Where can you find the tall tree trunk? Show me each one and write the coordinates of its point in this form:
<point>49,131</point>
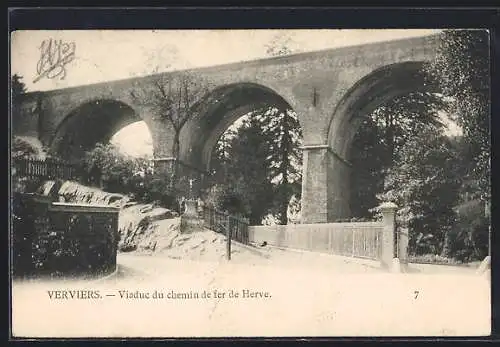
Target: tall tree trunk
<point>176,144</point>
<point>175,155</point>
<point>446,243</point>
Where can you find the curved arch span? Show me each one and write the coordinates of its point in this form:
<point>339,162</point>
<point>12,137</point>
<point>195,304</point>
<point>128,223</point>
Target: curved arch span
<point>91,123</point>
<point>370,92</point>
<point>221,108</point>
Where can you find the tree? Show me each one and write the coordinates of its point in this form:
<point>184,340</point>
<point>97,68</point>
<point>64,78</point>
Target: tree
<point>221,156</point>
<point>249,168</point>
<point>284,133</point>
<point>380,137</point>
<point>17,86</point>
<point>171,98</point>
<point>399,118</point>
<point>462,70</point>
<point>281,44</point>
<point>270,140</point>
<point>263,156</point>
<point>368,158</point>
<point>424,181</point>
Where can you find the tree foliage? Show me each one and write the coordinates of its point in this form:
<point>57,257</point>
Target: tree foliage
<point>379,139</point>
<point>462,70</point>
<point>424,181</point>
<point>281,44</point>
<point>119,173</point>
<point>244,162</point>
<point>262,157</point>
<point>284,136</point>
<point>17,87</point>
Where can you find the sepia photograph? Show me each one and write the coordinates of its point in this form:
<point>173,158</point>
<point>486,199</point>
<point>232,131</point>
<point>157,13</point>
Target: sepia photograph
<point>250,183</point>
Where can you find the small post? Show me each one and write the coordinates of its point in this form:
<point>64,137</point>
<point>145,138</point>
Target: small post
<point>388,210</point>
<point>353,242</point>
<point>228,237</point>
<point>403,246</point>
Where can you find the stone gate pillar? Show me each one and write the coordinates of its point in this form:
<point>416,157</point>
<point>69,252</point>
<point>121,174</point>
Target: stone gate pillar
<point>388,210</point>
<point>325,185</point>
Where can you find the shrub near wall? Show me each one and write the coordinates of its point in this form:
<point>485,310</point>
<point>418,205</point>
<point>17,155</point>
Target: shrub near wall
<point>22,231</point>
<point>63,240</point>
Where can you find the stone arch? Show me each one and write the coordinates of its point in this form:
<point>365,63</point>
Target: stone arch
<point>91,122</point>
<point>370,92</point>
<point>227,104</point>
<point>327,170</point>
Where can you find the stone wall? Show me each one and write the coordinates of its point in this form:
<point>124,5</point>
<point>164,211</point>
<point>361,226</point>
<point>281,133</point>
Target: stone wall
<point>61,239</point>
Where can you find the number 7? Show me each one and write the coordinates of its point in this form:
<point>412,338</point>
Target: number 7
<point>416,293</point>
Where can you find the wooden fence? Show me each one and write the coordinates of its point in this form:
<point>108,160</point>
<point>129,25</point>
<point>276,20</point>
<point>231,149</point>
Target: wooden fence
<point>234,227</point>
<point>222,222</point>
<point>358,239</point>
<point>46,169</point>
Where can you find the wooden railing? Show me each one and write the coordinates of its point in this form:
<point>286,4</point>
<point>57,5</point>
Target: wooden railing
<point>236,227</point>
<point>47,169</point>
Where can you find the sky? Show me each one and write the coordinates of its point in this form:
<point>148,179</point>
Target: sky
<point>106,55</point>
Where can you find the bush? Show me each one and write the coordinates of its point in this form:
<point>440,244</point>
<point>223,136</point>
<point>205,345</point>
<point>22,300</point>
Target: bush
<point>433,259</point>
<point>105,165</point>
<point>469,238</point>
<point>228,198</point>
<point>27,147</point>
<point>119,173</point>
<point>158,189</point>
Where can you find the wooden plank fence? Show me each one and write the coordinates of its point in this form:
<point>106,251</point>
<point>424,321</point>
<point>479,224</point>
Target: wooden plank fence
<point>47,169</point>
<point>357,239</point>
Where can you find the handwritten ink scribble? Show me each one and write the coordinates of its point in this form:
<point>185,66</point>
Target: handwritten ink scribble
<point>54,55</point>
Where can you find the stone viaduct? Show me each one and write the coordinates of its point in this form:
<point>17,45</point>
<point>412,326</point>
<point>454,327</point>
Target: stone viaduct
<point>329,90</point>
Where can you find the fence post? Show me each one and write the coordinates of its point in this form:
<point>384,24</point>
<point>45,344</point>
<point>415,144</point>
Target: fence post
<point>353,242</point>
<point>228,236</point>
<point>388,210</point>
<point>330,250</point>
<point>403,240</point>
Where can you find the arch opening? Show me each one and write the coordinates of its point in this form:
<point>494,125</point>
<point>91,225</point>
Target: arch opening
<point>375,89</point>
<point>91,123</point>
<point>222,108</point>
<point>367,95</point>
<point>134,140</point>
<point>379,115</point>
<point>242,118</point>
